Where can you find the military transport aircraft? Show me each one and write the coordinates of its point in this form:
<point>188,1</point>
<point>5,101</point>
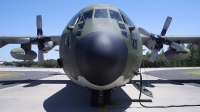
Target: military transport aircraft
<point>100,48</point>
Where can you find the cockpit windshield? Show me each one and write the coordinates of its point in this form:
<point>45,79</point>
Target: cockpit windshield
<point>87,15</point>
<point>74,19</point>
<point>115,15</point>
<point>127,19</point>
<point>101,13</point>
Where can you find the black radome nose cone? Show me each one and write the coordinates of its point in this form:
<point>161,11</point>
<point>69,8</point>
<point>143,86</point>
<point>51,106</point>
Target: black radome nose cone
<point>101,57</point>
<point>100,54</point>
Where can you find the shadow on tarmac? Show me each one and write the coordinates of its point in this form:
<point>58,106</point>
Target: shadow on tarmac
<point>28,78</point>
<point>77,98</point>
<point>176,77</point>
<point>160,81</point>
<point>74,98</point>
<point>31,83</point>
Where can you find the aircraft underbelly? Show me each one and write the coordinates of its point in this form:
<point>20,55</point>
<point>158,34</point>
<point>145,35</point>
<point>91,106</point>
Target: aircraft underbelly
<point>117,83</point>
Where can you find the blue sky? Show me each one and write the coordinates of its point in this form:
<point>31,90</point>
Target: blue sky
<point>17,17</point>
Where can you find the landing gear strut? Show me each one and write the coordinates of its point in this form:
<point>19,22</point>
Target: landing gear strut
<point>95,97</point>
<point>107,97</point>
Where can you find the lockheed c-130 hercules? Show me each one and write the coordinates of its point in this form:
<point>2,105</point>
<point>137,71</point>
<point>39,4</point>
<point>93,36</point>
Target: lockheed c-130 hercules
<point>100,48</point>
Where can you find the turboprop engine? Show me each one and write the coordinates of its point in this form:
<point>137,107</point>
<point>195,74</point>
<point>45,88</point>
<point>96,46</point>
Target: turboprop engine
<point>21,54</point>
<point>45,44</point>
<point>177,55</point>
<point>155,44</point>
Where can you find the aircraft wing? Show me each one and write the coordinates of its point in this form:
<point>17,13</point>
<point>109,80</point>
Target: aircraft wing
<point>183,39</point>
<point>155,43</point>
<point>4,40</point>
<point>45,43</point>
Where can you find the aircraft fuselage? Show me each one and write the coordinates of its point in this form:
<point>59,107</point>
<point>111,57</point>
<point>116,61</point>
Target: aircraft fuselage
<point>100,49</point>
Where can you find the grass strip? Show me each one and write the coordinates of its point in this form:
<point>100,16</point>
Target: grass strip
<point>191,72</point>
<point>10,74</point>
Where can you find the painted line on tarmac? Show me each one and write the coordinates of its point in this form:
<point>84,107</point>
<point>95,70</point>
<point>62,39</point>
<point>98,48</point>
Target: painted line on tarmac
<point>104,108</point>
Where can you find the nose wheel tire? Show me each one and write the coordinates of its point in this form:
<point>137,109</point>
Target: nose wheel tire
<point>94,98</point>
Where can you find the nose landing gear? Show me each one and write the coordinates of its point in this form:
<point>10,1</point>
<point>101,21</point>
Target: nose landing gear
<point>95,98</point>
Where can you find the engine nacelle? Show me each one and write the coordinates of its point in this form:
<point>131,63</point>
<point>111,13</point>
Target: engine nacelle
<point>21,54</point>
<point>177,55</point>
<point>48,46</point>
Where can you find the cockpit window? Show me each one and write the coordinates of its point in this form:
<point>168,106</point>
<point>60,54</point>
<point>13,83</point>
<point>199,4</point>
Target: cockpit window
<point>87,15</point>
<point>127,19</point>
<point>101,13</point>
<point>115,15</point>
<point>134,41</point>
<point>68,41</point>
<point>75,18</point>
<point>124,34</point>
<point>121,26</point>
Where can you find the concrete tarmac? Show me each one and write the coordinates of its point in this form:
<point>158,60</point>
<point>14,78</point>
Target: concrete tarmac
<point>50,90</point>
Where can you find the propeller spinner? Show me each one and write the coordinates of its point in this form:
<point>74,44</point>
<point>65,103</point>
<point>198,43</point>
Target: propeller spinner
<point>160,40</point>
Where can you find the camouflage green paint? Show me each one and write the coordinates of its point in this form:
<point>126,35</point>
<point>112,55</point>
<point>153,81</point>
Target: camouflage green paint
<point>68,55</point>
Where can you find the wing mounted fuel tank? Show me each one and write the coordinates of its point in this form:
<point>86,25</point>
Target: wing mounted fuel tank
<point>21,54</point>
<point>177,55</point>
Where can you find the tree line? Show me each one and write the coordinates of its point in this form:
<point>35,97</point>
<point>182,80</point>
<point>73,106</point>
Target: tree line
<point>192,61</point>
<point>50,63</point>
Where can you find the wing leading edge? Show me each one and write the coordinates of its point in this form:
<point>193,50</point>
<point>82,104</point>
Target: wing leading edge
<point>4,40</point>
<point>182,39</point>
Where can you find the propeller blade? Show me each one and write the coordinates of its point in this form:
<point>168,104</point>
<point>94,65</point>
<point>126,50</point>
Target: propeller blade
<point>39,25</point>
<point>166,25</point>
<point>40,56</point>
<point>176,46</point>
<point>144,32</point>
<point>154,54</point>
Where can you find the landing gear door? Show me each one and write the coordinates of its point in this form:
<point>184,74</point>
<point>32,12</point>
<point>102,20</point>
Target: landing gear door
<point>145,91</point>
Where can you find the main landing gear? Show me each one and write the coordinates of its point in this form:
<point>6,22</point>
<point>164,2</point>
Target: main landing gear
<point>95,97</point>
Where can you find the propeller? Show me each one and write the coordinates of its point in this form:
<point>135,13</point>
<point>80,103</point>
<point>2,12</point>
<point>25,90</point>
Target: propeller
<point>160,40</point>
<point>40,39</point>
